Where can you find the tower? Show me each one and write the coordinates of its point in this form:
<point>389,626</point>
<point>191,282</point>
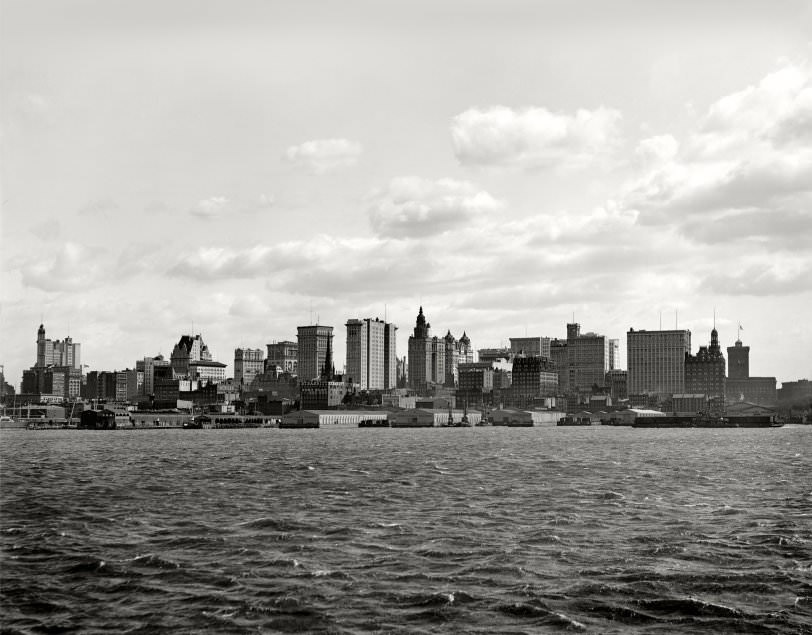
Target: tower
<point>738,361</point>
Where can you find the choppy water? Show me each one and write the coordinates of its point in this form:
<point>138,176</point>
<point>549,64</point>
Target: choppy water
<point>600,530</point>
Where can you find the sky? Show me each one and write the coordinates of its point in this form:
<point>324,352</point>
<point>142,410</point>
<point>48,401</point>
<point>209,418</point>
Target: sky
<point>241,169</point>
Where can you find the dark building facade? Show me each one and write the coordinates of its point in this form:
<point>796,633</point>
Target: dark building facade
<point>532,377</point>
<point>740,386</point>
<point>705,371</point>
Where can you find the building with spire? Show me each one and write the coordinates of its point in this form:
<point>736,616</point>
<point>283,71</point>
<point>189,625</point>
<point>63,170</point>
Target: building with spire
<point>456,352</point>
<point>426,356</point>
<point>705,373</point>
<point>57,370</point>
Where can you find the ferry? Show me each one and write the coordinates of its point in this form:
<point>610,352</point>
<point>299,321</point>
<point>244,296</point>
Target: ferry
<point>8,423</point>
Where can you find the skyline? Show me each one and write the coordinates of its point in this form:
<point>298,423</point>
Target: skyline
<point>170,164</point>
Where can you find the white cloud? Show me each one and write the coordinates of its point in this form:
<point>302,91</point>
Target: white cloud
<point>71,267</point>
<point>747,167</point>
<point>103,207</point>
<point>412,207</point>
<point>324,155</point>
<point>532,137</point>
<point>211,208</point>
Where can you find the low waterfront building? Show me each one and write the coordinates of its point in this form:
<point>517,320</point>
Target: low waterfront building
<point>525,418</point>
<point>334,419</point>
<point>431,418</point>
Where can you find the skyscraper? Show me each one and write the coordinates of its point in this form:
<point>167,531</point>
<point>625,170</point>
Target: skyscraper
<point>371,354</point>
<point>314,342</point>
<point>738,361</point>
<point>426,356</point>
<point>656,361</point>
<point>587,359</point>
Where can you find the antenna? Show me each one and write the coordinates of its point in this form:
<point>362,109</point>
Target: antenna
<point>714,317</point>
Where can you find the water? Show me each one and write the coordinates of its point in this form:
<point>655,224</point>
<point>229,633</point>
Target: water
<point>481,530</point>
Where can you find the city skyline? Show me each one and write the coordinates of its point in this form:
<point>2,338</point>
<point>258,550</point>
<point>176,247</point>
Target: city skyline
<point>504,165</point>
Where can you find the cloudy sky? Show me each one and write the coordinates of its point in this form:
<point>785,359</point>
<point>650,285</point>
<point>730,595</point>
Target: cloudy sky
<point>245,168</point>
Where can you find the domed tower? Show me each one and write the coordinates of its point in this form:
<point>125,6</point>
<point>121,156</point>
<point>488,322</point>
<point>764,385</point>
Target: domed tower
<point>421,328</point>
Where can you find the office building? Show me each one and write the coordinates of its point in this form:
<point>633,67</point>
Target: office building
<point>587,359</point>
<point>426,356</point>
<point>655,361</point>
<point>532,378</point>
<point>315,345</point>
<point>456,352</point>
<point>284,356</point>
<point>371,354</point>
<point>248,363</point>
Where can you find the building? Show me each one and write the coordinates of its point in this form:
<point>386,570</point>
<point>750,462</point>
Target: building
<point>207,371</point>
<point>152,366</point>
<point>456,352</point>
<point>475,383</point>
<point>188,349</point>
<point>371,354</point>
<point>738,361</point>
<point>705,371</point>
<point>426,356</point>
<point>248,363</point>
<point>587,359</point>
<point>57,353</point>
<point>533,377</point>
<point>656,361</point>
<point>530,346</point>
<point>495,354</point>
<point>559,358</point>
<point>740,386</point>
<point>614,354</point>
<point>616,380</point>
<point>283,355</point>
<point>319,394</point>
<point>315,345</point>
<point>795,392</point>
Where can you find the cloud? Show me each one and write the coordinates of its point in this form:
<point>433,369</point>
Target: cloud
<point>412,207</point>
<point>763,279</point>
<point>532,137</point>
<point>72,267</point>
<point>324,155</point>
<point>744,174</point>
<point>211,208</point>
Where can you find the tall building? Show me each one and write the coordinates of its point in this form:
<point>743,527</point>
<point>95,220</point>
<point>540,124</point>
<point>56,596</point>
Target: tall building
<point>314,343</point>
<point>617,380</point>
<point>371,354</point>
<point>738,361</point>
<point>190,348</point>
<point>587,359</point>
<point>57,353</point>
<point>705,371</point>
<point>284,355</point>
<point>152,367</point>
<point>740,386</point>
<point>655,361</point>
<point>559,357</point>
<point>530,346</point>
<point>426,356</point>
<point>248,363</point>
